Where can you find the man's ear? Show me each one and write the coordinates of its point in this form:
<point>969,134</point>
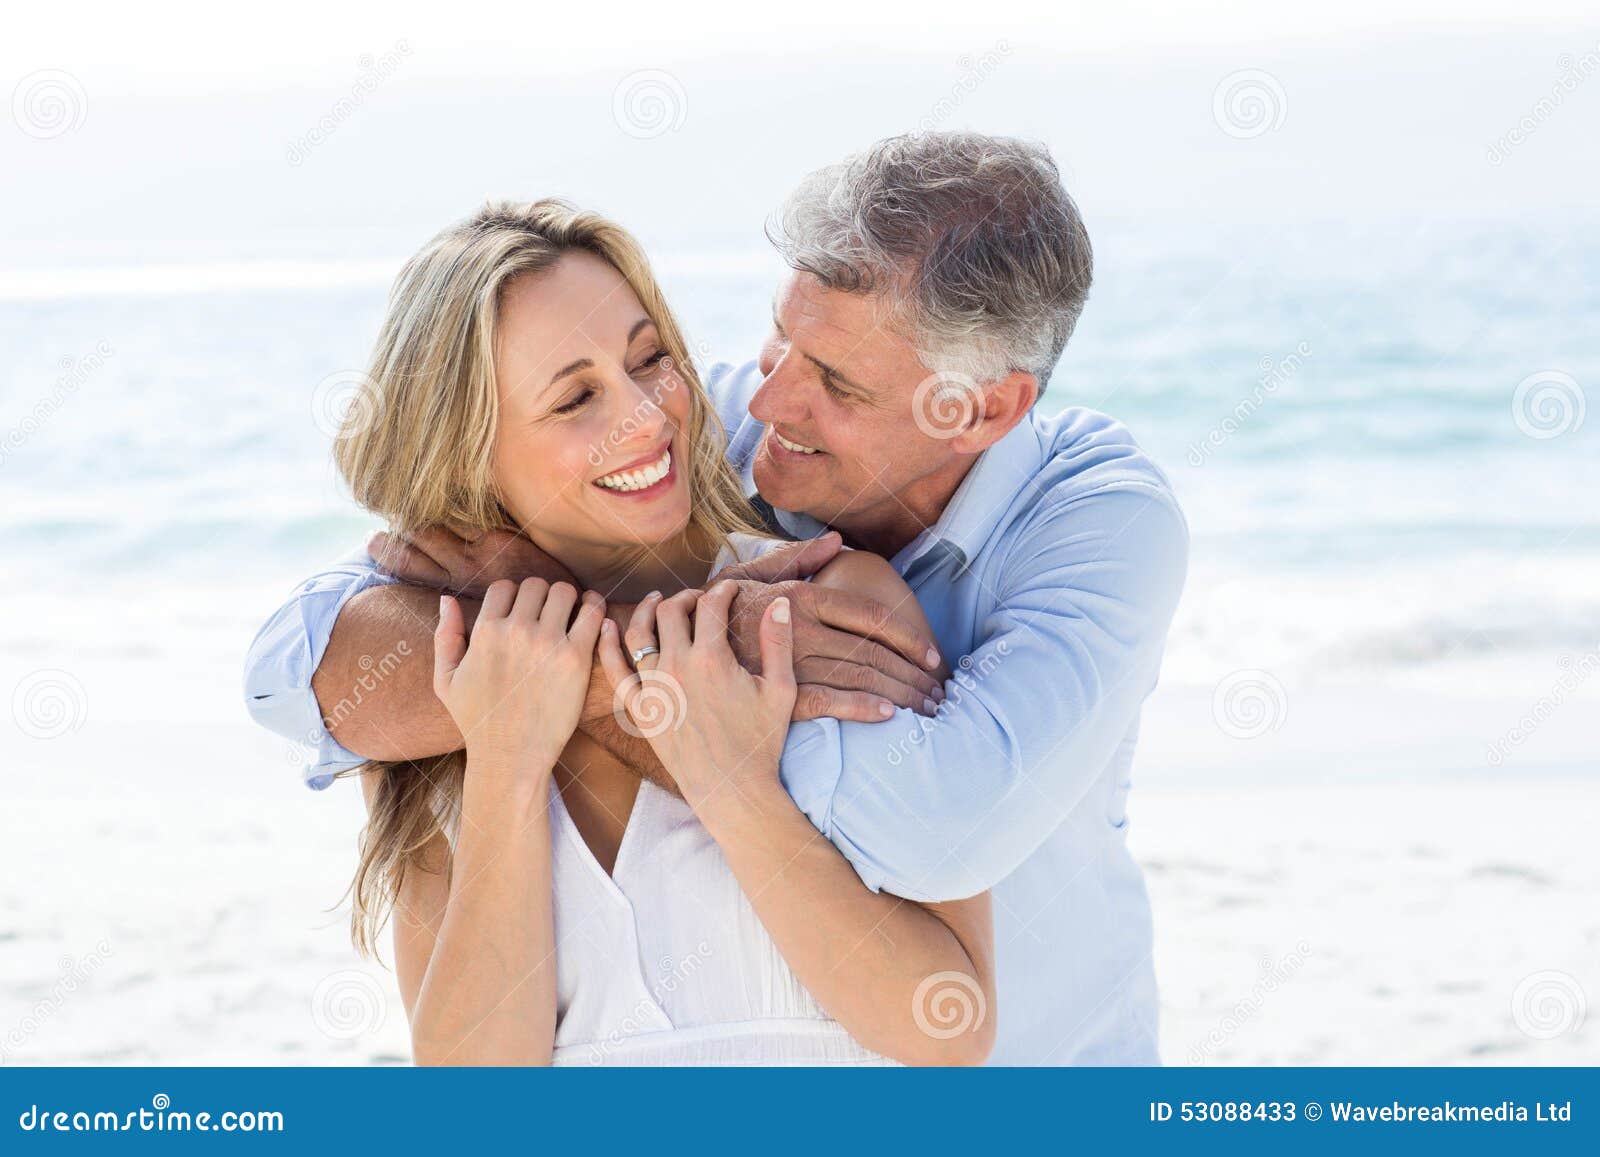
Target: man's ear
<point>1005,403</point>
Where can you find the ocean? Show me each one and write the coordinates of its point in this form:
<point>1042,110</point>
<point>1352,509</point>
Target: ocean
<point>1379,436</point>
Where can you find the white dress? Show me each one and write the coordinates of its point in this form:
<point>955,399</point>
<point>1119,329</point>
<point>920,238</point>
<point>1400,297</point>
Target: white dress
<point>664,962</point>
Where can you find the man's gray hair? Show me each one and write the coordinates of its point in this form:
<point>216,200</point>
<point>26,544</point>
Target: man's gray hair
<point>975,243</point>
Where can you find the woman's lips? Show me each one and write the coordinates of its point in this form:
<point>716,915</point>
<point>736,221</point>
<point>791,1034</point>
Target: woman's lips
<point>643,480</point>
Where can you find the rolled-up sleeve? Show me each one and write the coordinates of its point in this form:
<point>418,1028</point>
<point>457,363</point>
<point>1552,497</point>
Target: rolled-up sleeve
<point>285,655</point>
<point>943,808</point>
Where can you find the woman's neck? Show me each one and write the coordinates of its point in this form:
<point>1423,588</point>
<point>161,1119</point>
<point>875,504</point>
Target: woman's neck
<point>628,573</point>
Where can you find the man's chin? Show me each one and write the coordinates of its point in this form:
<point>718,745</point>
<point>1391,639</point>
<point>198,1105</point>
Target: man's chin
<point>777,486</point>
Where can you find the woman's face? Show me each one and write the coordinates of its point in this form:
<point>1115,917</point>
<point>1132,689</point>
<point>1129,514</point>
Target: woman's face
<point>592,448</point>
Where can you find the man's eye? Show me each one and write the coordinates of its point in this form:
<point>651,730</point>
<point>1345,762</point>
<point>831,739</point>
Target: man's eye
<point>570,406</point>
<point>833,389</point>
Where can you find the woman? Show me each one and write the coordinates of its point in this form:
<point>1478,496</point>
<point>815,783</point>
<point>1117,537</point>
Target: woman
<point>550,907</point>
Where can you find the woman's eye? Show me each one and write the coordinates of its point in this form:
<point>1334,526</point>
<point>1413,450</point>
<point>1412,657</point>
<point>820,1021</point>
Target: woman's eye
<point>651,362</point>
<point>568,407</point>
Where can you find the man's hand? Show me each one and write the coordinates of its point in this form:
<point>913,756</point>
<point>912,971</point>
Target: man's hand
<point>439,558</point>
<point>853,657</point>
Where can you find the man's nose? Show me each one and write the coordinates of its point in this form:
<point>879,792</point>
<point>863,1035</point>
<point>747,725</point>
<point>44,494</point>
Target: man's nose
<point>781,397</point>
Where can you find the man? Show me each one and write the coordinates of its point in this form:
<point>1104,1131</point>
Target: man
<point>935,281</point>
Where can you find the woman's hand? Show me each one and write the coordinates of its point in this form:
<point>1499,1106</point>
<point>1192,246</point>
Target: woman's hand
<point>715,727</point>
<point>516,690</point>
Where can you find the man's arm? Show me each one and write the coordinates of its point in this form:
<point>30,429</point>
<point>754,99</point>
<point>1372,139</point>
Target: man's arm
<point>946,808</point>
<point>345,665</point>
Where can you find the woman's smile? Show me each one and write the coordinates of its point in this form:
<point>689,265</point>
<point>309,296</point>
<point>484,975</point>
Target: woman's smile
<point>644,478</point>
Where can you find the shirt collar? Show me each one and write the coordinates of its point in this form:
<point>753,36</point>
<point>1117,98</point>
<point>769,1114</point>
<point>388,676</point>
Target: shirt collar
<point>973,512</point>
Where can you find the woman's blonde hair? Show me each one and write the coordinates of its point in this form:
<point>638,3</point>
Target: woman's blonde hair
<point>417,446</point>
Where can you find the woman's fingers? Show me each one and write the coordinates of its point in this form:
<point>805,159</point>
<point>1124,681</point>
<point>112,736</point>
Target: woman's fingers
<point>711,617</point>
<point>641,630</point>
<point>556,611</point>
<point>672,622</point>
<point>498,599</point>
<point>586,627</point>
<point>449,642</point>
<point>612,661</point>
<point>532,594</point>
<point>777,651</point>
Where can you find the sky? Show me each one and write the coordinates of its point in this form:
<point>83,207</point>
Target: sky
<point>181,44</point>
<point>352,131</point>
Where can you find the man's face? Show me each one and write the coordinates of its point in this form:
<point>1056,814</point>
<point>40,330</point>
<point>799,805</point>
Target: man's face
<point>841,382</point>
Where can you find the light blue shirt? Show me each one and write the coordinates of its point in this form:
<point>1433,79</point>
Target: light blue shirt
<point>1053,574</point>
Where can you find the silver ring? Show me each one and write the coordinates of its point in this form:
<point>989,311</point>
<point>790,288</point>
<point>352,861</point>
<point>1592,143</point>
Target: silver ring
<point>652,649</point>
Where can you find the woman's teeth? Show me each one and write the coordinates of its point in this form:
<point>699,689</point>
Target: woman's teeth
<point>795,446</point>
<point>638,479</point>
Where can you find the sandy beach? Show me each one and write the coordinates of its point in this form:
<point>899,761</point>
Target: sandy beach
<point>174,899</point>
